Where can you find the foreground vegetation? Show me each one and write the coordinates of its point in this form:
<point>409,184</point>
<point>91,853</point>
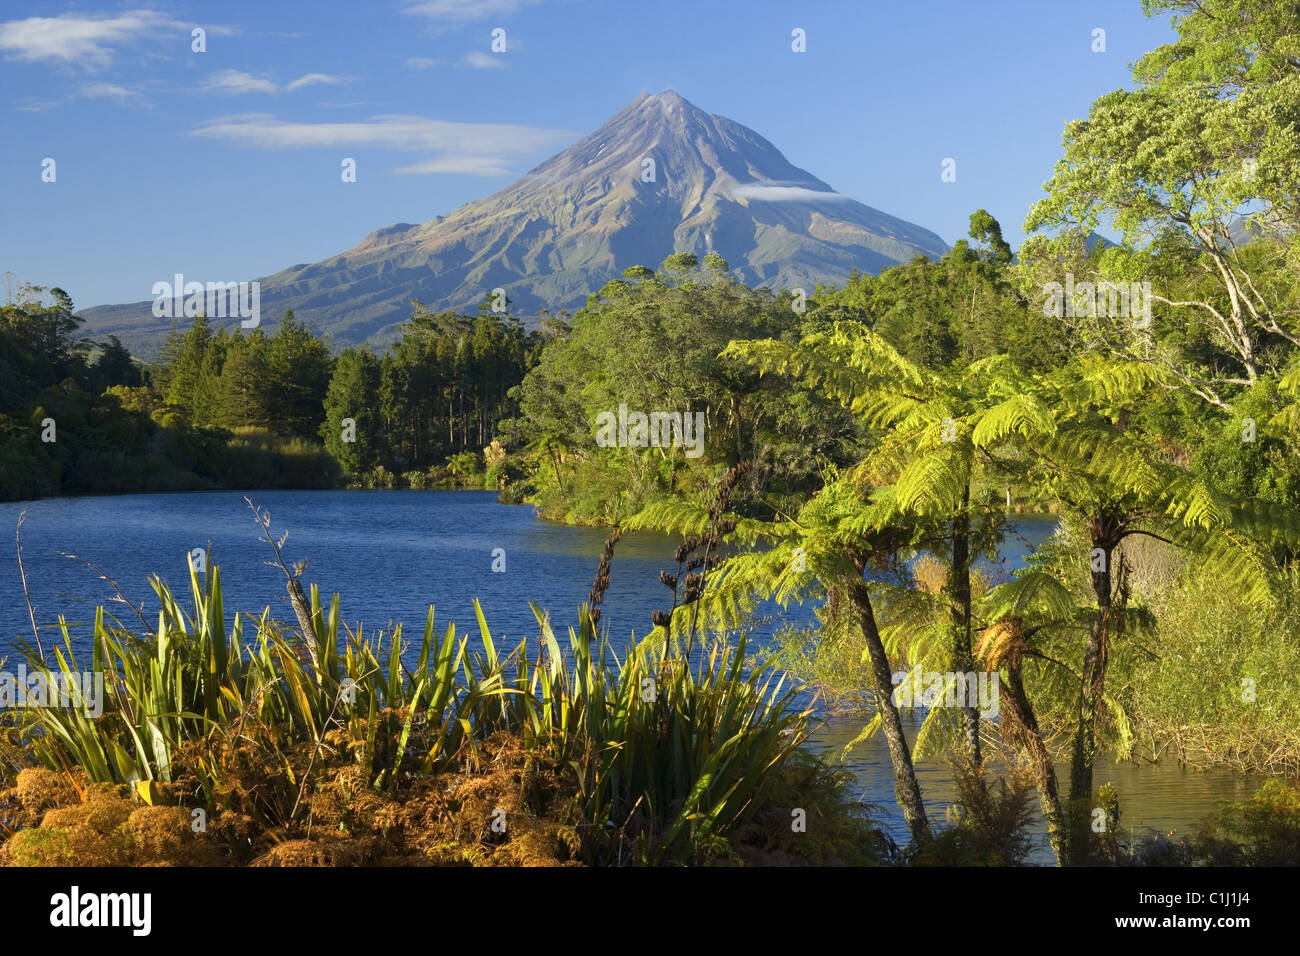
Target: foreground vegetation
<point>276,746</point>
<point>219,744</point>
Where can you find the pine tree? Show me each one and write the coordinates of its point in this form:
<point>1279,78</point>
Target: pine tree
<point>354,394</point>
<point>184,371</point>
<point>299,366</point>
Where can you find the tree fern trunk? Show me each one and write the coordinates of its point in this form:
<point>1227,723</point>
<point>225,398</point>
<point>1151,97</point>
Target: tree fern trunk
<point>963,661</point>
<point>1022,716</point>
<point>905,784</point>
<point>1094,669</point>
<point>555,465</point>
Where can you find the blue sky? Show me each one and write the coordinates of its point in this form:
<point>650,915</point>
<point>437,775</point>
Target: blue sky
<point>225,164</point>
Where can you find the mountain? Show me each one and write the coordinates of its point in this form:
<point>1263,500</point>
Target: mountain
<point>577,221</point>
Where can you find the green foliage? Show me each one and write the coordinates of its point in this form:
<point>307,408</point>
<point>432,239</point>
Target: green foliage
<point>653,344</point>
<point>229,410</point>
<point>1222,686</point>
<point>255,458</point>
<point>442,391</point>
<point>242,409</point>
<point>37,348</point>
<point>990,823</point>
<point>1199,170</point>
<point>666,765</point>
<point>830,658</point>
<point>1267,465</point>
<point>26,469</point>
<point>956,310</point>
<point>671,758</point>
<point>354,395</point>
<point>195,680</point>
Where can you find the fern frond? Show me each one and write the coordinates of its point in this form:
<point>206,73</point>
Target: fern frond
<point>1031,592</point>
<point>932,482</point>
<point>1024,415</point>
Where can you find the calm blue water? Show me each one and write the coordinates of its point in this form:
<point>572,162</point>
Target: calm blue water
<point>391,554</point>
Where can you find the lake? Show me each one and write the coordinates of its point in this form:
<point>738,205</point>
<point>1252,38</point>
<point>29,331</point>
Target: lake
<point>391,554</point>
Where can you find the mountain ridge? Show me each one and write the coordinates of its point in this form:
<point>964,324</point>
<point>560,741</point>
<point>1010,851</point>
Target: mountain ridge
<point>660,176</point>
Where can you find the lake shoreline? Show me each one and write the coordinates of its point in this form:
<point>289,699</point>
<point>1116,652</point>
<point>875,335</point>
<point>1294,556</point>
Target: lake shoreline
<point>452,531</point>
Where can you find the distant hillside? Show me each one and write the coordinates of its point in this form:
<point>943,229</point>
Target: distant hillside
<point>580,219</point>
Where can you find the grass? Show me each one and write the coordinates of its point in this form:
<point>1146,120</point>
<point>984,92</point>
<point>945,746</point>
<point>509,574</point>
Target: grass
<point>334,747</point>
<point>1222,686</point>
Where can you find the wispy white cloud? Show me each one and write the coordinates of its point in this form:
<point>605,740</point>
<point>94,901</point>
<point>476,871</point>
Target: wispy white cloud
<point>777,192</point>
<point>465,11</point>
<point>421,63</point>
<point>87,40</point>
<point>484,61</point>
<point>237,82</point>
<point>480,149</point>
<point>464,165</point>
<point>110,91</point>
<point>91,91</point>
<point>314,79</point>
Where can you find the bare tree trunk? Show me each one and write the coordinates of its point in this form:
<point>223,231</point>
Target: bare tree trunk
<point>555,465</point>
<point>1022,716</point>
<point>905,785</point>
<point>959,587</point>
<point>302,610</point>
<point>1104,540</point>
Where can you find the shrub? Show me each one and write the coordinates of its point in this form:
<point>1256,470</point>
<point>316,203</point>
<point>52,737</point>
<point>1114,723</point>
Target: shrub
<point>283,738</point>
<point>1261,831</point>
<point>1222,684</point>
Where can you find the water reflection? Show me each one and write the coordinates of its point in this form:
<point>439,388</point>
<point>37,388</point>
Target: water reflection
<point>1157,797</point>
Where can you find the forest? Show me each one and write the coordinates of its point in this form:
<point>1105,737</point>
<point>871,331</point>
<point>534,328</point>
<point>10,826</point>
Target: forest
<point>230,408</point>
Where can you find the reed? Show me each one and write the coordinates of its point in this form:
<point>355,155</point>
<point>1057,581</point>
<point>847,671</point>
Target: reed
<point>661,759</point>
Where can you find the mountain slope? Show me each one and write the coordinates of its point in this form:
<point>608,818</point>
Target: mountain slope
<point>581,218</point>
